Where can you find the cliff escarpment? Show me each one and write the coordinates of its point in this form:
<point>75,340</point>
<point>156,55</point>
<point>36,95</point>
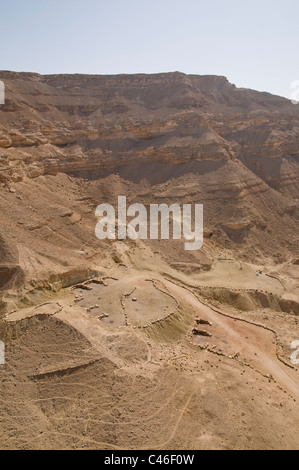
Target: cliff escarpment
<point>70,142</point>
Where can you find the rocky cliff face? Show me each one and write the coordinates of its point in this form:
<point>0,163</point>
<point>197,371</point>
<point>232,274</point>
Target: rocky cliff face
<point>161,347</point>
<point>169,137</point>
<point>75,123</point>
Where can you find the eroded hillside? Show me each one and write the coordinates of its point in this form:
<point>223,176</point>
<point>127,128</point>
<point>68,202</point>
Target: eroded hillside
<point>141,344</point>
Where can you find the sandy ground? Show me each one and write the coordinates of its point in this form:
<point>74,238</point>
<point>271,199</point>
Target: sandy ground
<point>143,345</point>
<point>113,364</point>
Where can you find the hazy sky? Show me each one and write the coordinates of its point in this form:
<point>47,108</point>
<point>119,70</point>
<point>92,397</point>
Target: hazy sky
<point>255,43</point>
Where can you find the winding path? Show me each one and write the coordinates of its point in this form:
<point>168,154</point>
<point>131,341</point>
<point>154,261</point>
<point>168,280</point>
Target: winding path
<point>255,345</point>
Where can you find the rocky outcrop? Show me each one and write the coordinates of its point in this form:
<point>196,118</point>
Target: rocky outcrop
<point>239,225</point>
<point>168,138</point>
<point>79,123</point>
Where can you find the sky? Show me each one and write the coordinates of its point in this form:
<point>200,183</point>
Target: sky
<point>254,43</point>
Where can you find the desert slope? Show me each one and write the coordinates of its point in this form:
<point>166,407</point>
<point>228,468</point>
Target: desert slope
<point>101,350</point>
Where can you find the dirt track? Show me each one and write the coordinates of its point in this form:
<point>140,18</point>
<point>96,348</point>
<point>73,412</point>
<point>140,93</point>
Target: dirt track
<point>254,345</point>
